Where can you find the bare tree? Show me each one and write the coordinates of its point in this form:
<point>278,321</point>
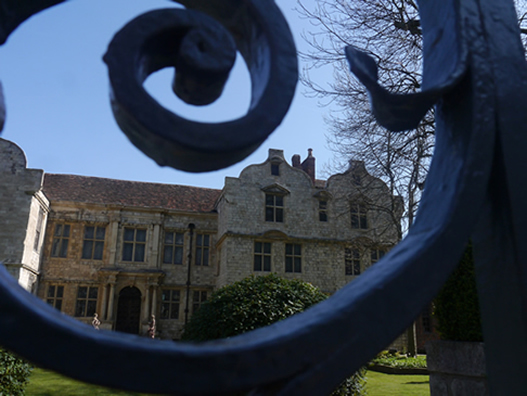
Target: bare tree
<point>390,31</point>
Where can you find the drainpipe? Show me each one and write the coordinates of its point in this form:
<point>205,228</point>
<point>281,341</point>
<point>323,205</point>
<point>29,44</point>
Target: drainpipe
<point>191,227</point>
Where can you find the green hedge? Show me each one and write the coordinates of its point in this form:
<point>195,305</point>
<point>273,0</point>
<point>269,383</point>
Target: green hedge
<point>457,306</point>
<point>14,374</point>
<point>255,302</point>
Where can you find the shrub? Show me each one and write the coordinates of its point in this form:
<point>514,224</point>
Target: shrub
<point>256,302</point>
<point>14,374</point>
<point>457,306</point>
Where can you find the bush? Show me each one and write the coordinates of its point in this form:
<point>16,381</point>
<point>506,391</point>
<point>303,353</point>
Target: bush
<point>249,304</point>
<point>257,302</point>
<point>457,305</point>
<point>14,374</point>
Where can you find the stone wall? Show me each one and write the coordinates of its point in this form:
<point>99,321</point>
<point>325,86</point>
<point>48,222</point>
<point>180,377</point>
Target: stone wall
<point>21,201</point>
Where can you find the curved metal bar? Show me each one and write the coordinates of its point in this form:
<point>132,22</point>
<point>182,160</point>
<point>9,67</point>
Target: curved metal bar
<point>312,352</point>
<point>148,43</point>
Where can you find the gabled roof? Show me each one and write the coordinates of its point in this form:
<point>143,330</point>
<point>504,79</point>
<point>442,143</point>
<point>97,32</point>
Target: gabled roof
<point>98,190</point>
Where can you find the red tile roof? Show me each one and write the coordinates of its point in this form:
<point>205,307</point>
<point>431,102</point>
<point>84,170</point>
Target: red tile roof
<point>129,193</point>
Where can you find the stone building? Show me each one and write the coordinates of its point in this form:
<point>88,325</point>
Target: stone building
<point>127,250</point>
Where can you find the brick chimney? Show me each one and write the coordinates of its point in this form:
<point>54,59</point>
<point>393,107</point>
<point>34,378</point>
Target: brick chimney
<point>308,165</point>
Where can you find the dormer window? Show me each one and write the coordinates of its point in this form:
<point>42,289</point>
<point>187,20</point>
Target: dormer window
<point>275,169</point>
<point>274,203</point>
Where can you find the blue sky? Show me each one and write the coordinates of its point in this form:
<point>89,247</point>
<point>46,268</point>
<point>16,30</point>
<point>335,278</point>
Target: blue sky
<point>58,112</point>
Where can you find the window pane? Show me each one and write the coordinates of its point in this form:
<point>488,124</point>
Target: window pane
<point>128,234</point>
<point>205,256</point>
<point>198,256</point>
<point>55,248</point>
<point>140,235</point>
<point>195,296</point>
<point>279,215</point>
<point>174,312</point>
<point>269,214</point>
<point>165,311</point>
<point>101,231</point>
<point>51,291</point>
<point>91,308</point>
<point>80,308</point>
<point>87,248</point>
<point>88,232</point>
<point>267,263</point>
<point>178,257</point>
<point>58,230</point>
<point>66,231</point>
<point>97,253</point>
<point>199,239</point>
<point>269,200</point>
<point>258,263</point>
<point>167,255</point>
<point>279,200</point>
<point>179,238</point>
<point>363,222</point>
<point>267,248</point>
<point>175,295</point>
<point>298,250</point>
<point>169,238</point>
<point>289,264</point>
<point>60,291</point>
<point>298,264</point>
<point>288,249</point>
<point>206,240</point>
<point>58,304</point>
<point>127,251</point>
<point>139,252</point>
<point>82,292</point>
<point>93,292</point>
<point>64,248</point>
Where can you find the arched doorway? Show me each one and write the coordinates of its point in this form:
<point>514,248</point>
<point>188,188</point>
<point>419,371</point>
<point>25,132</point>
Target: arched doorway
<point>128,310</point>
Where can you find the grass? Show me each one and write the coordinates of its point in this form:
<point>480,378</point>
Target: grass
<point>379,384</point>
<point>47,383</point>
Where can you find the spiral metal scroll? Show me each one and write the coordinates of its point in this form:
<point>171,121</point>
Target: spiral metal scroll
<point>471,50</point>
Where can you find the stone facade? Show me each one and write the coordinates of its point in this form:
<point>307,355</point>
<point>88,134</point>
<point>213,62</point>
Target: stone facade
<point>129,250</point>
<point>23,213</point>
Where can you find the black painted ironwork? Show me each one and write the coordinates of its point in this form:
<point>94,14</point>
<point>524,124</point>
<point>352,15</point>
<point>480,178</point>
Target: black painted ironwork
<point>474,71</point>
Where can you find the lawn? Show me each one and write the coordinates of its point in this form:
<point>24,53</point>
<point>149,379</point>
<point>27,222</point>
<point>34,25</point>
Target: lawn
<point>379,384</point>
<point>47,383</point>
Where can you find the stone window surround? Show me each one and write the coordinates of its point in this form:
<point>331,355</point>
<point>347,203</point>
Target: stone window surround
<point>55,295</point>
<point>61,236</point>
<point>174,246</point>
<point>170,303</point>
<point>135,254</point>
<point>352,261</point>
<point>86,305</point>
<point>359,216</point>
<point>262,256</point>
<point>293,258</point>
<point>199,296</point>
<point>96,241</point>
<point>202,244</point>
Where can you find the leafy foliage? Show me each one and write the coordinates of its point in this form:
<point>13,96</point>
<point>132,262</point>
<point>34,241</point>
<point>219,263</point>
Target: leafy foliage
<point>255,302</point>
<point>398,360</point>
<point>14,374</point>
<point>249,304</point>
<point>457,305</point>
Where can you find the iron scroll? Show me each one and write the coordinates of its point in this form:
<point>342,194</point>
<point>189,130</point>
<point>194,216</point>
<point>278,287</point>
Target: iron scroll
<point>475,187</point>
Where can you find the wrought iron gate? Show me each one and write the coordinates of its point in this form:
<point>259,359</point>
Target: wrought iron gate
<point>474,72</point>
